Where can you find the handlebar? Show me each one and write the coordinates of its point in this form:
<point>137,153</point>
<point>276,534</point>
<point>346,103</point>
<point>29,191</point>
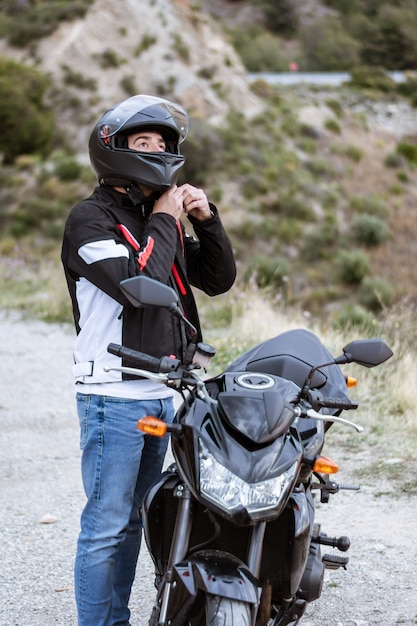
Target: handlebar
<point>145,361</point>
<point>338,403</point>
<point>318,402</point>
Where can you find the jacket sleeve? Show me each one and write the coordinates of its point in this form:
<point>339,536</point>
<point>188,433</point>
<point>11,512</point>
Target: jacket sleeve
<point>210,260</point>
<point>95,248</point>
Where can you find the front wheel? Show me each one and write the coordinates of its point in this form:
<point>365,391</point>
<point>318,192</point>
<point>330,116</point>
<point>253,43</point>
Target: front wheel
<point>225,612</point>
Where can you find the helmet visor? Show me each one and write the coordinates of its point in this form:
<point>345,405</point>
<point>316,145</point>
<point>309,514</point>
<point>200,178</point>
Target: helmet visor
<point>143,107</point>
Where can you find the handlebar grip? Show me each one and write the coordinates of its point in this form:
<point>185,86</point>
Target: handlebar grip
<point>144,361</point>
<point>338,403</point>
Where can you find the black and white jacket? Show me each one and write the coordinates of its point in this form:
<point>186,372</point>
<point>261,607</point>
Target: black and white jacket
<point>106,240</point>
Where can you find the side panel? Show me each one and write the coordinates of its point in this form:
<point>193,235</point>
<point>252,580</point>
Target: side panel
<point>159,510</point>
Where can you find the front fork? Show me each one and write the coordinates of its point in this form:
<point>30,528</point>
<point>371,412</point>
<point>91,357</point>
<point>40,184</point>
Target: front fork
<point>179,545</point>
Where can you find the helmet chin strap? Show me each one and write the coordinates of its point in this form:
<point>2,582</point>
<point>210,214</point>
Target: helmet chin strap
<point>137,197</point>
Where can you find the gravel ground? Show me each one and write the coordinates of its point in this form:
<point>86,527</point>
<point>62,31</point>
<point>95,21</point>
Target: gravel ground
<point>41,497</point>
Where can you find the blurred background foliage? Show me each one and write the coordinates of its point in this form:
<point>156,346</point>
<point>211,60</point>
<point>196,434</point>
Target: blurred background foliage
<point>301,230</point>
<point>335,35</point>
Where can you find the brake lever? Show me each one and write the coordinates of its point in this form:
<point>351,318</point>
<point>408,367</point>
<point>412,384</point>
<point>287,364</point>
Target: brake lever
<point>327,418</point>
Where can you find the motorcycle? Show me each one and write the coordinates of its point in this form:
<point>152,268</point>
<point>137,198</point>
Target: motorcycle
<point>231,524</point>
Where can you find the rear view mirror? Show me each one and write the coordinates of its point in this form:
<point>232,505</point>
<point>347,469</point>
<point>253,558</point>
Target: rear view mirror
<point>145,291</point>
<point>142,291</point>
<point>366,352</point>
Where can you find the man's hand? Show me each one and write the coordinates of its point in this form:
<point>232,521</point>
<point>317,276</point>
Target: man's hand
<point>171,202</point>
<point>195,202</point>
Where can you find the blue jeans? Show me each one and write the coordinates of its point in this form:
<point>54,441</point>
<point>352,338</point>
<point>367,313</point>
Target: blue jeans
<point>119,464</point>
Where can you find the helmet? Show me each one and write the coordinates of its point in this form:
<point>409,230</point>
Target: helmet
<point>116,165</point>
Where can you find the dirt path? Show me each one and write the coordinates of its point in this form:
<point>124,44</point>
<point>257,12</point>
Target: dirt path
<point>40,482</point>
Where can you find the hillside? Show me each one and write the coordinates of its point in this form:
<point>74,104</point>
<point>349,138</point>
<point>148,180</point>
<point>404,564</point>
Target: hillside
<point>300,174</point>
<point>375,128</point>
<point>126,47</point>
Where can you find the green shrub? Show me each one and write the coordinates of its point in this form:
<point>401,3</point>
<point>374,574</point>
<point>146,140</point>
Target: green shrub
<point>353,266</point>
<point>110,59</point>
<point>207,73</point>
<point>320,243</point>
<point>34,20</point>
<point>203,146</point>
<point>41,216</point>
<point>328,47</point>
<point>408,150</point>
<point>292,206</point>
<point>371,204</point>
<point>408,87</point>
<point>320,167</point>
<point>307,145</point>
<point>180,47</point>
<point>333,126</point>
<point>403,177</point>
<point>259,50</point>
<point>166,86</point>
<point>281,16</point>
<point>375,293</point>
<point>291,124</point>
<point>276,230</point>
<point>27,124</point>
<point>318,299</point>
<point>288,230</point>
<point>253,186</point>
<point>371,77</point>
<point>68,169</point>
<point>128,84</point>
<point>396,189</point>
<point>76,79</point>
<point>409,90</point>
<point>353,153</point>
<point>267,272</point>
<point>392,41</point>
<point>216,195</point>
<point>393,160</point>
<point>355,316</point>
<point>336,107</point>
<point>245,231</point>
<point>146,42</point>
<point>263,89</point>
<point>369,230</point>
<point>344,6</point>
<point>311,132</point>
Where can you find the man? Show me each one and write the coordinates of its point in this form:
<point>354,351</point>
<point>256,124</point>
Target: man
<point>127,227</point>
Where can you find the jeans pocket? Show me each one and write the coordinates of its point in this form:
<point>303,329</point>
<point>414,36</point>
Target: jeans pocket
<point>83,404</point>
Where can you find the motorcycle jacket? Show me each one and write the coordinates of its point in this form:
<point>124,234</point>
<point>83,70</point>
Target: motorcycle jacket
<point>108,238</point>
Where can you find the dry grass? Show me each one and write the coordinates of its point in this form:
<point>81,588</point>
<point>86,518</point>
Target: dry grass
<point>35,286</point>
<point>238,320</point>
<point>387,394</point>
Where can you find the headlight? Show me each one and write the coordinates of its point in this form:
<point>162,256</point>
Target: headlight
<point>231,493</point>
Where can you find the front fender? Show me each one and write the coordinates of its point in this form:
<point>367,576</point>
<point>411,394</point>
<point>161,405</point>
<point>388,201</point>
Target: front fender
<point>210,572</point>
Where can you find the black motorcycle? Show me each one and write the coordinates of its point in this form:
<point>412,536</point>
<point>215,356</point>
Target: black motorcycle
<point>230,526</point>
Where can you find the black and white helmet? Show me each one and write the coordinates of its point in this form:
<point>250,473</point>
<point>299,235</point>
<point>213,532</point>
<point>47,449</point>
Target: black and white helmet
<point>116,165</point>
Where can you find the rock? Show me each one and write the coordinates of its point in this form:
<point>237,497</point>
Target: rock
<point>48,519</point>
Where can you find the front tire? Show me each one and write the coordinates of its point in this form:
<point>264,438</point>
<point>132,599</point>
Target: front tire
<point>225,612</point>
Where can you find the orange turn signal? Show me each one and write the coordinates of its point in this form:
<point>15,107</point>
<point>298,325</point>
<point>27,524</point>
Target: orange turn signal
<point>324,465</point>
<point>351,382</point>
<point>152,426</point>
